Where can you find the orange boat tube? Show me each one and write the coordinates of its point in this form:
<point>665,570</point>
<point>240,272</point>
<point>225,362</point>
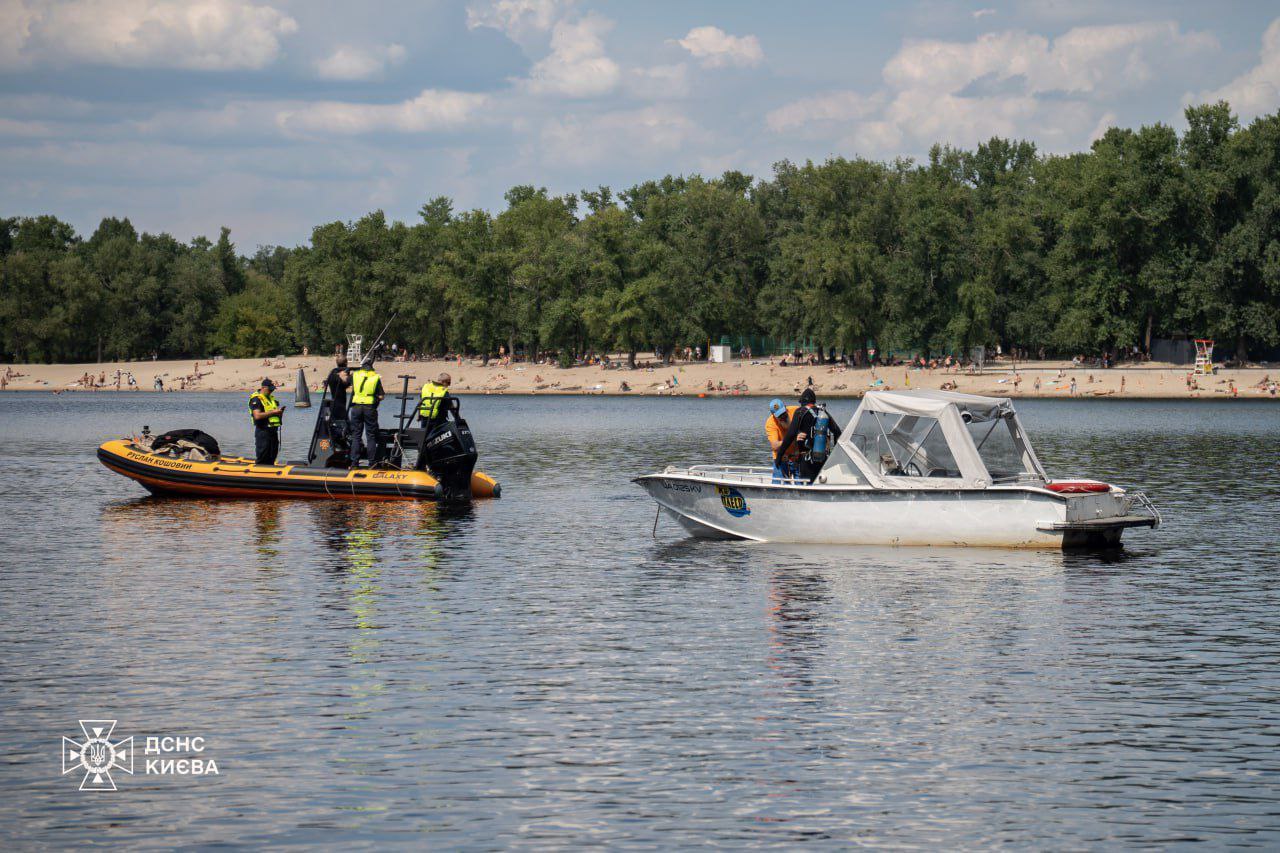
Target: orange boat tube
<point>237,477</point>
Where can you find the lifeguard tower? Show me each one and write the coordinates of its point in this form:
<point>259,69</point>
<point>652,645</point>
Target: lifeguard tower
<point>1204,357</point>
<point>355,349</point>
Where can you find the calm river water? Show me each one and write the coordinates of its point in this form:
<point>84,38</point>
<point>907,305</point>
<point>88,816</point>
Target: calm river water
<point>540,671</point>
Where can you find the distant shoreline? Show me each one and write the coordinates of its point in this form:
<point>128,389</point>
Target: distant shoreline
<point>687,379</point>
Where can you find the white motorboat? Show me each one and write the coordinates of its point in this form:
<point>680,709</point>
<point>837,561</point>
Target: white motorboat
<point>913,468</point>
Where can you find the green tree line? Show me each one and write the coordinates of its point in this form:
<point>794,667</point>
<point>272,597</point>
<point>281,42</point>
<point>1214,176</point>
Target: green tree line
<point>1147,234</point>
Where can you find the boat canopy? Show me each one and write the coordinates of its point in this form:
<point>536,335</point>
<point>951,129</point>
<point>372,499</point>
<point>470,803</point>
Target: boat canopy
<point>931,403</point>
<point>934,440</point>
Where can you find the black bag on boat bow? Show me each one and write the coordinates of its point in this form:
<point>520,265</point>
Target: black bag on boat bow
<point>172,438</point>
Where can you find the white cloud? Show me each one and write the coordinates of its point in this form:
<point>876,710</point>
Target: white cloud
<point>47,106</point>
<point>829,107</point>
<point>1085,59</point>
<point>30,129</point>
<point>717,49</point>
<point>16,22</point>
<point>577,66</point>
<point>357,63</point>
<point>1257,91</point>
<point>239,121</point>
<point>1108,121</point>
<point>266,194</point>
<point>634,135</point>
<point>659,82</point>
<point>1009,83</point>
<point>431,110</point>
<point>205,35</point>
<point>519,19</point>
<point>982,13</point>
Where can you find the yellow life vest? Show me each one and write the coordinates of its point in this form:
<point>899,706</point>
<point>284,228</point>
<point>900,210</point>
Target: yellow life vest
<point>364,387</point>
<point>268,403</point>
<point>432,394</point>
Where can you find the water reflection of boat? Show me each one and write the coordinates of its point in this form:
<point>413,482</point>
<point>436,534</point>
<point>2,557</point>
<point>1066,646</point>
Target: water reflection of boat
<point>914,468</point>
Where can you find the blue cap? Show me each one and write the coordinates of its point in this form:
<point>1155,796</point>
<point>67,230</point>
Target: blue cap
<point>776,407</point>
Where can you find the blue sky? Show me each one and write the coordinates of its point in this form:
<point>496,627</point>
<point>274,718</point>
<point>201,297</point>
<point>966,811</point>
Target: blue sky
<point>273,116</point>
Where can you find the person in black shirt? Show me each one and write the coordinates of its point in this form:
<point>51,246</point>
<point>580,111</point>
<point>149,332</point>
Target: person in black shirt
<point>338,381</point>
<point>801,433</point>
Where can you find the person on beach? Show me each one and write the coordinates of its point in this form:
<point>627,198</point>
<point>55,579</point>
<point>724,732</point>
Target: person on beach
<point>266,415</point>
<point>775,429</point>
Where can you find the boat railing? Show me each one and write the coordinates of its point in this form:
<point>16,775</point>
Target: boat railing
<point>746,474</point>
<point>1142,500</point>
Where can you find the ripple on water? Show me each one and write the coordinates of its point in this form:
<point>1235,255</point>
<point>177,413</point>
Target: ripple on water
<point>538,670</point>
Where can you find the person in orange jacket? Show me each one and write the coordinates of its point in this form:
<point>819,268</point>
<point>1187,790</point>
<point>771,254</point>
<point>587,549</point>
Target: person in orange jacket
<point>775,429</point>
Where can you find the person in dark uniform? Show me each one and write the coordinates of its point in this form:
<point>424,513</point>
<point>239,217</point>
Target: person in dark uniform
<point>800,433</point>
<point>266,414</point>
<point>337,382</point>
<point>366,394</point>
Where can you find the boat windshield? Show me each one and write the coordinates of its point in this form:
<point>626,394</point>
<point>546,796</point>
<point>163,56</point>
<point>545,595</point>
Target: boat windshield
<point>1002,452</point>
<point>904,445</point>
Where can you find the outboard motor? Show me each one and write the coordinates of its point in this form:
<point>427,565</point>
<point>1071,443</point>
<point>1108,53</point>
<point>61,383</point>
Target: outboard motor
<point>449,452</point>
<point>821,434</point>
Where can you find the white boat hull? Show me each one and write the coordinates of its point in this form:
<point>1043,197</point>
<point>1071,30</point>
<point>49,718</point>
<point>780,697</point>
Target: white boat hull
<point>849,515</point>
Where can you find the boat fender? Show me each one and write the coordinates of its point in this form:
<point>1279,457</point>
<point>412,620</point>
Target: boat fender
<point>1067,487</point>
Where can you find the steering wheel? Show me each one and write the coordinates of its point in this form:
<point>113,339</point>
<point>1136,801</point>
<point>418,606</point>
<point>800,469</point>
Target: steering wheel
<point>912,470</point>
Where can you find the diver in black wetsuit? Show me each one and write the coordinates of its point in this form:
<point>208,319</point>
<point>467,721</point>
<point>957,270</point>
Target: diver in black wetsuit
<point>801,432</point>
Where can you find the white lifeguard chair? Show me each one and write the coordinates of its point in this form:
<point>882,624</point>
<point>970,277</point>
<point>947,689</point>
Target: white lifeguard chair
<point>355,349</point>
<point>1204,357</point>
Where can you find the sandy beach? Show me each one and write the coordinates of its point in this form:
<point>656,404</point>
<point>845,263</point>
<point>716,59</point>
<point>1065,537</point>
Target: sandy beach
<point>1000,378</point>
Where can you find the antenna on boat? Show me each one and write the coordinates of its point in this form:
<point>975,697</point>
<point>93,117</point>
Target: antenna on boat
<point>373,350</point>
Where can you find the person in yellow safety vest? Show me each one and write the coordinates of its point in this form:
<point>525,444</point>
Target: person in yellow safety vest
<point>362,417</point>
<point>432,409</point>
<point>266,414</point>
